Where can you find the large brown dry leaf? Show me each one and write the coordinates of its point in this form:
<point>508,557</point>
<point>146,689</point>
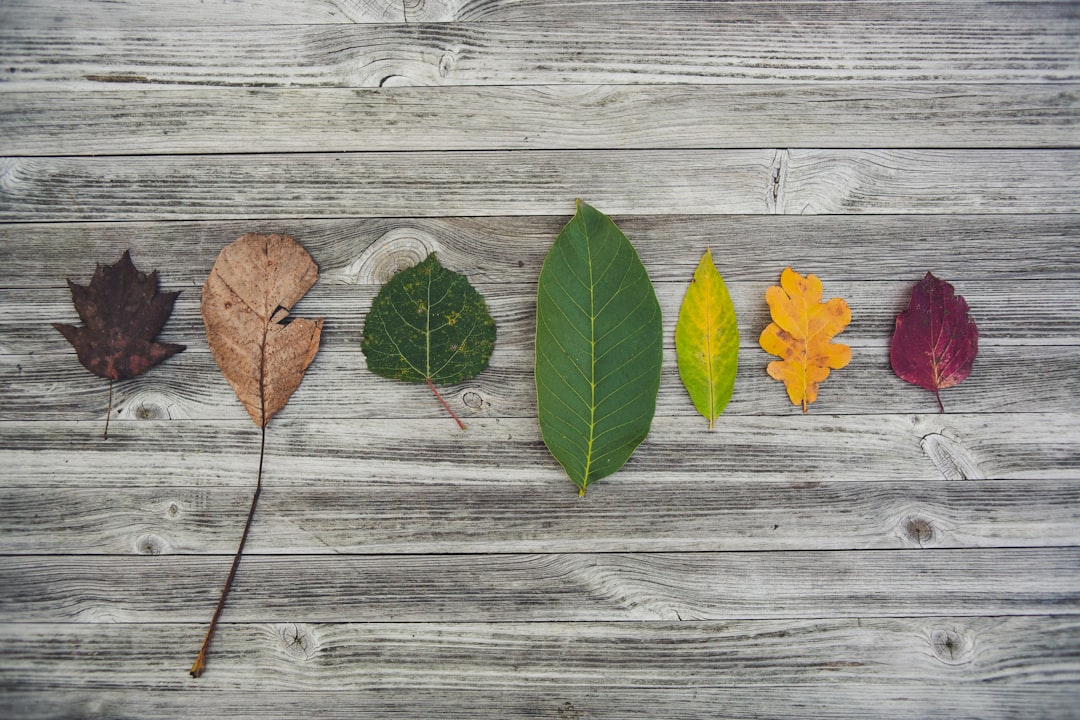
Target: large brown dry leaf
<point>245,305</point>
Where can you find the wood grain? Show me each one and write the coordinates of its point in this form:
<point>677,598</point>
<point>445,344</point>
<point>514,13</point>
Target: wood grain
<point>873,559</point>
<point>331,453</point>
<point>938,653</point>
<point>791,702</point>
<point>714,513</point>
<point>550,117</point>
<point>1007,313</point>
<point>187,13</point>
<point>960,247</point>
<point>751,42</point>
<point>1009,378</point>
<point>538,183</point>
<point>582,587</point>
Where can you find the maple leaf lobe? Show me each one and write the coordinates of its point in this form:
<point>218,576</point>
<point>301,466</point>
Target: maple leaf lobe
<point>122,312</point>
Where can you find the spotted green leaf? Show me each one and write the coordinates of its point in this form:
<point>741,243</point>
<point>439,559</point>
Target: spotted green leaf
<point>707,341</point>
<point>598,348</point>
<point>428,325</point>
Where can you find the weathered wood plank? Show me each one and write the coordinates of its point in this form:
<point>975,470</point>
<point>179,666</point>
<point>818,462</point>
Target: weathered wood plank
<point>938,652</point>
<point>710,513</point>
<point>1007,313</point>
<point>1012,379</point>
<point>782,702</point>
<point>509,451</point>
<point>211,120</point>
<point>580,587</point>
<point>368,251</point>
<point>186,13</point>
<point>539,183</point>
<point>754,42</point>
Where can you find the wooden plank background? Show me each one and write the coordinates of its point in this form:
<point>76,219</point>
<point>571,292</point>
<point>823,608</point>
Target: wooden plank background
<point>871,559</point>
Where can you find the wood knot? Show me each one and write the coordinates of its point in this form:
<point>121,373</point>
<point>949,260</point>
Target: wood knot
<point>951,646</point>
<point>396,250</point>
<point>446,64</point>
<point>297,641</point>
<point>150,411</point>
<point>151,544</point>
<point>173,510</point>
<point>918,530</point>
<point>473,399</point>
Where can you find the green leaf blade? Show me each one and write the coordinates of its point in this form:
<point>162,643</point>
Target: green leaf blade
<point>428,325</point>
<point>707,341</point>
<point>598,348</point>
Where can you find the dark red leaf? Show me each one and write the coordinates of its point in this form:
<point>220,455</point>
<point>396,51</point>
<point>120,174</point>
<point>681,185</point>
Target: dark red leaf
<point>936,341</point>
<point>122,311</point>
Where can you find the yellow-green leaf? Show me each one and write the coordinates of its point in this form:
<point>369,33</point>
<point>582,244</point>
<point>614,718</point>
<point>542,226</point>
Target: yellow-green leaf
<point>707,341</point>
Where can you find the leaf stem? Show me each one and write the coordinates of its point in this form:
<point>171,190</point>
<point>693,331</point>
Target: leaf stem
<point>941,408</point>
<point>108,412</point>
<point>456,418</point>
<point>200,662</point>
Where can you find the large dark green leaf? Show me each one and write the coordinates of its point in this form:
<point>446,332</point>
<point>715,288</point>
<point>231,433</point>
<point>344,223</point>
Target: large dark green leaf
<point>428,324</point>
<point>599,348</point>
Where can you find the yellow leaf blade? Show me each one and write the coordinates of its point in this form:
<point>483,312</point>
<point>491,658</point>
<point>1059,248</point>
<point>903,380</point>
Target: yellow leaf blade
<point>707,341</point>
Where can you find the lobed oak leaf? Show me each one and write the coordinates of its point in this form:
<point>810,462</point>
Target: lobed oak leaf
<point>936,341</point>
<point>800,333</point>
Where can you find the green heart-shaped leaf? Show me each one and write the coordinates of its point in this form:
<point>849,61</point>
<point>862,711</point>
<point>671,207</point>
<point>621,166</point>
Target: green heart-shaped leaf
<point>599,347</point>
<point>428,324</point>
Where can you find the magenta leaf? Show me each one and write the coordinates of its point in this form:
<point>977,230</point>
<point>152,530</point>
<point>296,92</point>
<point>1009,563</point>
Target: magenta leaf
<point>936,341</point>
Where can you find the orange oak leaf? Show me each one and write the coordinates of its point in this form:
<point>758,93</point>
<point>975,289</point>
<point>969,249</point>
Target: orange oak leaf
<point>800,333</point>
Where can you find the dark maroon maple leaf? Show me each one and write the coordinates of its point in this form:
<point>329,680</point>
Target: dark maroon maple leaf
<point>936,341</point>
<point>122,312</point>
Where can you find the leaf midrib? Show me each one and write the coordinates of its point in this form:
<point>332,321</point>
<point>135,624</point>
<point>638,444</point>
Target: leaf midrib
<point>592,360</point>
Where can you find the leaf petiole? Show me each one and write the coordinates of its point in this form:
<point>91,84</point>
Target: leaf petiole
<point>200,662</point>
<point>108,412</point>
<point>440,397</point>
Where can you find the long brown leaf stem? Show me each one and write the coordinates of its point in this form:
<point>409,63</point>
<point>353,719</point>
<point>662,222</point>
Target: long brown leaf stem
<point>456,418</point>
<point>108,412</point>
<point>200,662</point>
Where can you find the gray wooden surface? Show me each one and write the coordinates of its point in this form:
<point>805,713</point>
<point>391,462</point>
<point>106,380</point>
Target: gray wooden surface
<point>871,559</point>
